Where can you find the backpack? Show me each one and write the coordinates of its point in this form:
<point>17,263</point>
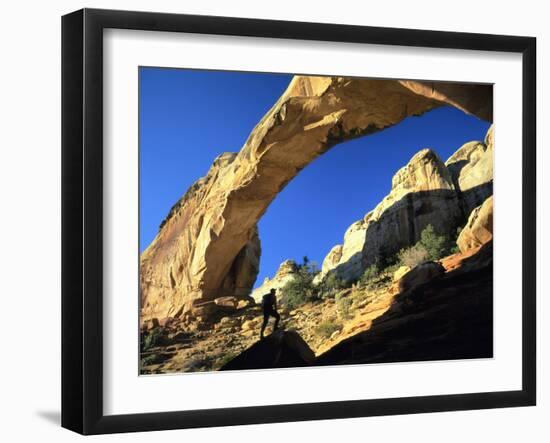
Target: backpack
<point>267,300</point>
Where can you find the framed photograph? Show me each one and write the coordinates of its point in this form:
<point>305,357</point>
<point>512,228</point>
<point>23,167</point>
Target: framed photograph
<point>269,221</point>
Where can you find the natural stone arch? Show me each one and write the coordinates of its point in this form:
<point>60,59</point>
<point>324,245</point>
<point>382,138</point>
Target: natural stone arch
<point>208,245</point>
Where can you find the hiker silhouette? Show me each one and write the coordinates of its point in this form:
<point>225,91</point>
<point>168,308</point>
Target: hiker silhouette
<point>269,306</point>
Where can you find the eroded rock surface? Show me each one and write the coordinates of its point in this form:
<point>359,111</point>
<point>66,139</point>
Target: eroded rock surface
<point>208,245</point>
<point>471,168</point>
<point>425,191</point>
<point>479,229</point>
<point>422,193</point>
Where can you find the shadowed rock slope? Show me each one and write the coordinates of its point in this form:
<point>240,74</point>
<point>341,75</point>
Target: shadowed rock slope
<point>449,317</point>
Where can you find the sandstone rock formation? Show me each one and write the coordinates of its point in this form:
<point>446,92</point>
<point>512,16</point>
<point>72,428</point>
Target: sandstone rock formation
<point>421,274</point>
<point>425,191</point>
<point>479,229</point>
<point>471,168</point>
<point>208,245</point>
<point>450,317</point>
<point>286,273</point>
<point>422,193</point>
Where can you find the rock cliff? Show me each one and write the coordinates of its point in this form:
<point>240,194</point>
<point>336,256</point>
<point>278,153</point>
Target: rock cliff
<point>208,246</point>
<point>471,168</point>
<point>425,191</point>
<point>422,193</point>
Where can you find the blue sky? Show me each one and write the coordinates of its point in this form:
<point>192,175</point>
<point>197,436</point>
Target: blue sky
<point>189,117</point>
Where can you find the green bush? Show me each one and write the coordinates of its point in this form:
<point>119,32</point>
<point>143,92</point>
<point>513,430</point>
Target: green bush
<point>330,285</point>
<point>296,293</point>
<point>435,245</point>
<point>431,246</point>
<point>301,289</point>
<point>148,360</point>
<point>370,274</point>
<point>152,339</point>
<point>327,328</point>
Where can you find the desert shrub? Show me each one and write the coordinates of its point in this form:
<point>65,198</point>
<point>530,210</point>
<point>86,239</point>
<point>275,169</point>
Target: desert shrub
<point>431,246</point>
<point>413,256</point>
<point>308,268</point>
<point>148,360</point>
<point>327,328</point>
<point>343,304</point>
<point>370,274</point>
<point>295,293</point>
<point>331,284</point>
<point>435,245</point>
<point>151,339</point>
<point>301,289</point>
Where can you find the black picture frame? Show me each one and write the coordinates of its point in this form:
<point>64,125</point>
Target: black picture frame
<point>82,218</point>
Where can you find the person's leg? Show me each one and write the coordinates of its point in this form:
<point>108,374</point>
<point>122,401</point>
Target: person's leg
<point>277,319</point>
<point>264,324</point>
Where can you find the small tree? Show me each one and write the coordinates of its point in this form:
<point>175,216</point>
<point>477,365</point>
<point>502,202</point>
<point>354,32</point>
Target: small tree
<point>435,245</point>
<point>301,290</point>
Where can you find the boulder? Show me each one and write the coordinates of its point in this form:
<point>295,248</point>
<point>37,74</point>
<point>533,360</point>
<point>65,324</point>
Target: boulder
<point>208,244</point>
<point>282,349</point>
<point>227,302</point>
<point>245,302</point>
<point>479,229</point>
<point>419,275</point>
<point>400,272</point>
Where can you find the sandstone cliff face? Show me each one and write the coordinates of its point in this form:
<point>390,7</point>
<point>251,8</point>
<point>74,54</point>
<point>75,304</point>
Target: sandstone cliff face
<point>208,245</point>
<point>471,168</point>
<point>422,193</point>
<point>425,191</point>
<point>286,273</point>
<point>166,283</point>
